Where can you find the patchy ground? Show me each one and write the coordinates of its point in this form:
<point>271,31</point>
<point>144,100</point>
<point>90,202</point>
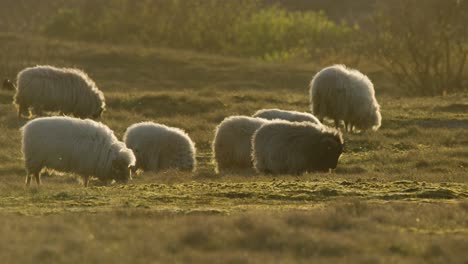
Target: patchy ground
<point>399,195</point>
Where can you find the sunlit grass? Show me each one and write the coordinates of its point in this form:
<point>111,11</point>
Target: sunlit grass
<point>398,194</point>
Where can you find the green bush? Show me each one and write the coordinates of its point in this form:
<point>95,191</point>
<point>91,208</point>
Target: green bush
<point>66,24</point>
<point>238,27</point>
<point>277,33</point>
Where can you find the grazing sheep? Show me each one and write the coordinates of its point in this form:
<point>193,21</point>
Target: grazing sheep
<point>159,147</point>
<point>345,94</point>
<point>232,143</point>
<point>8,85</point>
<point>292,116</point>
<point>281,147</point>
<point>73,145</point>
<point>70,91</point>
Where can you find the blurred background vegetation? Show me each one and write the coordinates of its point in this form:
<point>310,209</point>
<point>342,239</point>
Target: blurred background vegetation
<point>422,45</point>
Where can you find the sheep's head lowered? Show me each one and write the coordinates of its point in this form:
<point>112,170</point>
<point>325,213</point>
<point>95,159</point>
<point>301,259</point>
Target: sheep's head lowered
<point>98,114</point>
<point>121,170</point>
<point>325,154</point>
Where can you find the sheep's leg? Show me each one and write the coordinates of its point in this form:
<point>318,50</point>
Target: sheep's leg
<point>86,180</point>
<point>28,179</point>
<point>337,123</point>
<point>37,177</point>
<point>346,126</point>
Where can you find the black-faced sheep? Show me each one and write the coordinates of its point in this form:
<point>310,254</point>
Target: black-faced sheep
<point>345,94</point>
<point>8,85</point>
<point>292,116</point>
<point>70,91</point>
<point>73,145</point>
<point>159,147</point>
<point>232,143</point>
<point>281,147</point>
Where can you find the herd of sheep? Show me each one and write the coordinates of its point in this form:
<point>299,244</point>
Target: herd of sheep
<point>271,141</point>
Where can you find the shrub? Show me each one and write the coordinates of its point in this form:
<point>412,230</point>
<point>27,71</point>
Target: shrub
<point>277,33</point>
<point>238,27</point>
<point>66,23</point>
<point>423,45</point>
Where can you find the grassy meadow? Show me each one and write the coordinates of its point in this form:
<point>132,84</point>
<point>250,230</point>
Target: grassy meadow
<point>399,195</point>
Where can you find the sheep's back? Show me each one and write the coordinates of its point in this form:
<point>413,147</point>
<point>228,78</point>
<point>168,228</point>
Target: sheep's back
<point>232,142</point>
<point>282,147</point>
<point>159,146</point>
<point>68,90</point>
<point>68,144</point>
<point>292,116</point>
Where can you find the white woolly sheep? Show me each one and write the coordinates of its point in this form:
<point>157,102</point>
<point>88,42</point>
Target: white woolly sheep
<point>159,147</point>
<point>345,94</point>
<point>232,143</point>
<point>70,91</point>
<point>8,85</point>
<point>292,116</point>
<point>282,147</point>
<point>73,145</point>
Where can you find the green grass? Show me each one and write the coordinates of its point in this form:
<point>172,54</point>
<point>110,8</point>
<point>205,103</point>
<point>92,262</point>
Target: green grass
<point>398,195</point>
<point>341,231</point>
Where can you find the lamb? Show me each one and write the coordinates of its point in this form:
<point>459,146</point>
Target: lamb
<point>8,85</point>
<point>159,147</point>
<point>232,142</point>
<point>70,91</point>
<point>345,94</point>
<point>282,147</point>
<point>85,147</point>
<point>292,116</point>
